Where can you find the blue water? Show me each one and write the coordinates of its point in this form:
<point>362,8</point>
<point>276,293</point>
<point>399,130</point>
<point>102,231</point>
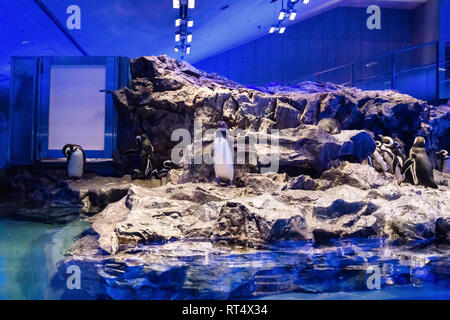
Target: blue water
<point>30,252</point>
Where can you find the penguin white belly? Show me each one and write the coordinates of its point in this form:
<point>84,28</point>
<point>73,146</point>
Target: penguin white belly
<point>446,165</point>
<point>76,163</point>
<point>223,159</point>
<point>379,159</point>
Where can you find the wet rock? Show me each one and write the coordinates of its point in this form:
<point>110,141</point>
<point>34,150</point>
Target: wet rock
<point>354,174</point>
<point>292,229</point>
<point>442,230</point>
<point>301,182</point>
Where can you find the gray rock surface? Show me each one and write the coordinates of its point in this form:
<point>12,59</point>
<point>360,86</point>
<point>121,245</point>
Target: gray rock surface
<point>167,94</point>
<point>347,201</point>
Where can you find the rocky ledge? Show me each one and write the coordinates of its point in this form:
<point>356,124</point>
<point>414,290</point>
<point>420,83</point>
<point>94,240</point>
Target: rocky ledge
<point>47,195</point>
<point>267,235</point>
<point>351,200</point>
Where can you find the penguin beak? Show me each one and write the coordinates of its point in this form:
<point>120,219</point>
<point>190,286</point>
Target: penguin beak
<point>391,142</point>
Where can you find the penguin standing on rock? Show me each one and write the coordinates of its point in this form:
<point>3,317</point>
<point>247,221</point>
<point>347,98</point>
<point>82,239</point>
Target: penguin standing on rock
<point>394,157</point>
<point>142,163</point>
<point>419,165</point>
<point>376,159</point>
<point>223,156</point>
<point>167,165</point>
<point>329,125</point>
<point>444,161</point>
<point>76,160</point>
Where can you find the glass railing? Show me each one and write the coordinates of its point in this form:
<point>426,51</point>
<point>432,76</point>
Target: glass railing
<point>421,71</point>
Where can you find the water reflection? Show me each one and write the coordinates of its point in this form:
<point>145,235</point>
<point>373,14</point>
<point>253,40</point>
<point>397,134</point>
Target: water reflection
<point>31,267</point>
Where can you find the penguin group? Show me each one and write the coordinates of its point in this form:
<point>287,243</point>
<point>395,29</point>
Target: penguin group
<point>167,165</point>
<point>389,156</point>
<point>142,164</point>
<point>142,161</point>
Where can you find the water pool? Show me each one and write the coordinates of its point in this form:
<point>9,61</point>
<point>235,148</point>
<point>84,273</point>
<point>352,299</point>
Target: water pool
<point>30,253</point>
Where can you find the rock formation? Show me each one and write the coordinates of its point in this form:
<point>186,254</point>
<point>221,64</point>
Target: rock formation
<point>167,94</point>
<point>150,235</point>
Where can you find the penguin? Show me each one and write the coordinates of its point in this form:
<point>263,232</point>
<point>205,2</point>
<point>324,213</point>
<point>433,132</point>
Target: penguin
<point>223,156</point>
<point>167,165</point>
<point>329,125</point>
<point>377,160</point>
<point>419,165</point>
<point>76,160</point>
<point>142,163</point>
<point>393,156</point>
<point>444,161</point>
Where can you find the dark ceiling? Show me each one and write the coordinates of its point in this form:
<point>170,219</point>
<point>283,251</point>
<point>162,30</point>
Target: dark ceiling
<point>145,27</point>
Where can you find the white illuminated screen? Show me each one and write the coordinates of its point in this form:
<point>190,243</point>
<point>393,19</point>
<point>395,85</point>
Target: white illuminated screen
<point>77,108</point>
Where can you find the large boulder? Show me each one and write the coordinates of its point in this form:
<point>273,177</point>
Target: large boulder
<point>305,149</point>
<point>346,202</point>
<point>167,95</point>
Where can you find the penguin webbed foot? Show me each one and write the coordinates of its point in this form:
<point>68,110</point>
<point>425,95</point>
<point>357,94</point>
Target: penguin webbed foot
<point>137,174</point>
<point>224,183</point>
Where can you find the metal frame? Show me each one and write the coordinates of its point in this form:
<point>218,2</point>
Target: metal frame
<point>112,82</point>
<point>437,45</point>
<point>16,119</point>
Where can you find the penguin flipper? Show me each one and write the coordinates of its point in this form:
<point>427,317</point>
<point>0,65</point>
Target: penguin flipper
<point>84,163</point>
<point>408,163</point>
<point>148,167</point>
<point>398,175</point>
<point>414,173</point>
<point>155,173</point>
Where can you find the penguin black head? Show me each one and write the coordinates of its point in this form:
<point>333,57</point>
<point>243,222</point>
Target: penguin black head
<point>67,150</point>
<point>138,140</point>
<point>443,154</point>
<point>387,141</point>
<point>222,127</point>
<point>419,142</point>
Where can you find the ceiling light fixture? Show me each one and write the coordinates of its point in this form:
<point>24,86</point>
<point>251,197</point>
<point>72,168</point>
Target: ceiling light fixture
<point>288,12</point>
<point>292,15</point>
<point>282,14</point>
<point>182,23</point>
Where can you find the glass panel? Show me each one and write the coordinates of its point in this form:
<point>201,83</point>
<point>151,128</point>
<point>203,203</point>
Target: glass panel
<point>341,75</point>
<point>416,57</point>
<point>444,80</point>
<point>376,83</point>
<point>419,83</point>
<point>3,140</point>
<point>77,108</point>
<point>373,69</point>
<point>22,110</point>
